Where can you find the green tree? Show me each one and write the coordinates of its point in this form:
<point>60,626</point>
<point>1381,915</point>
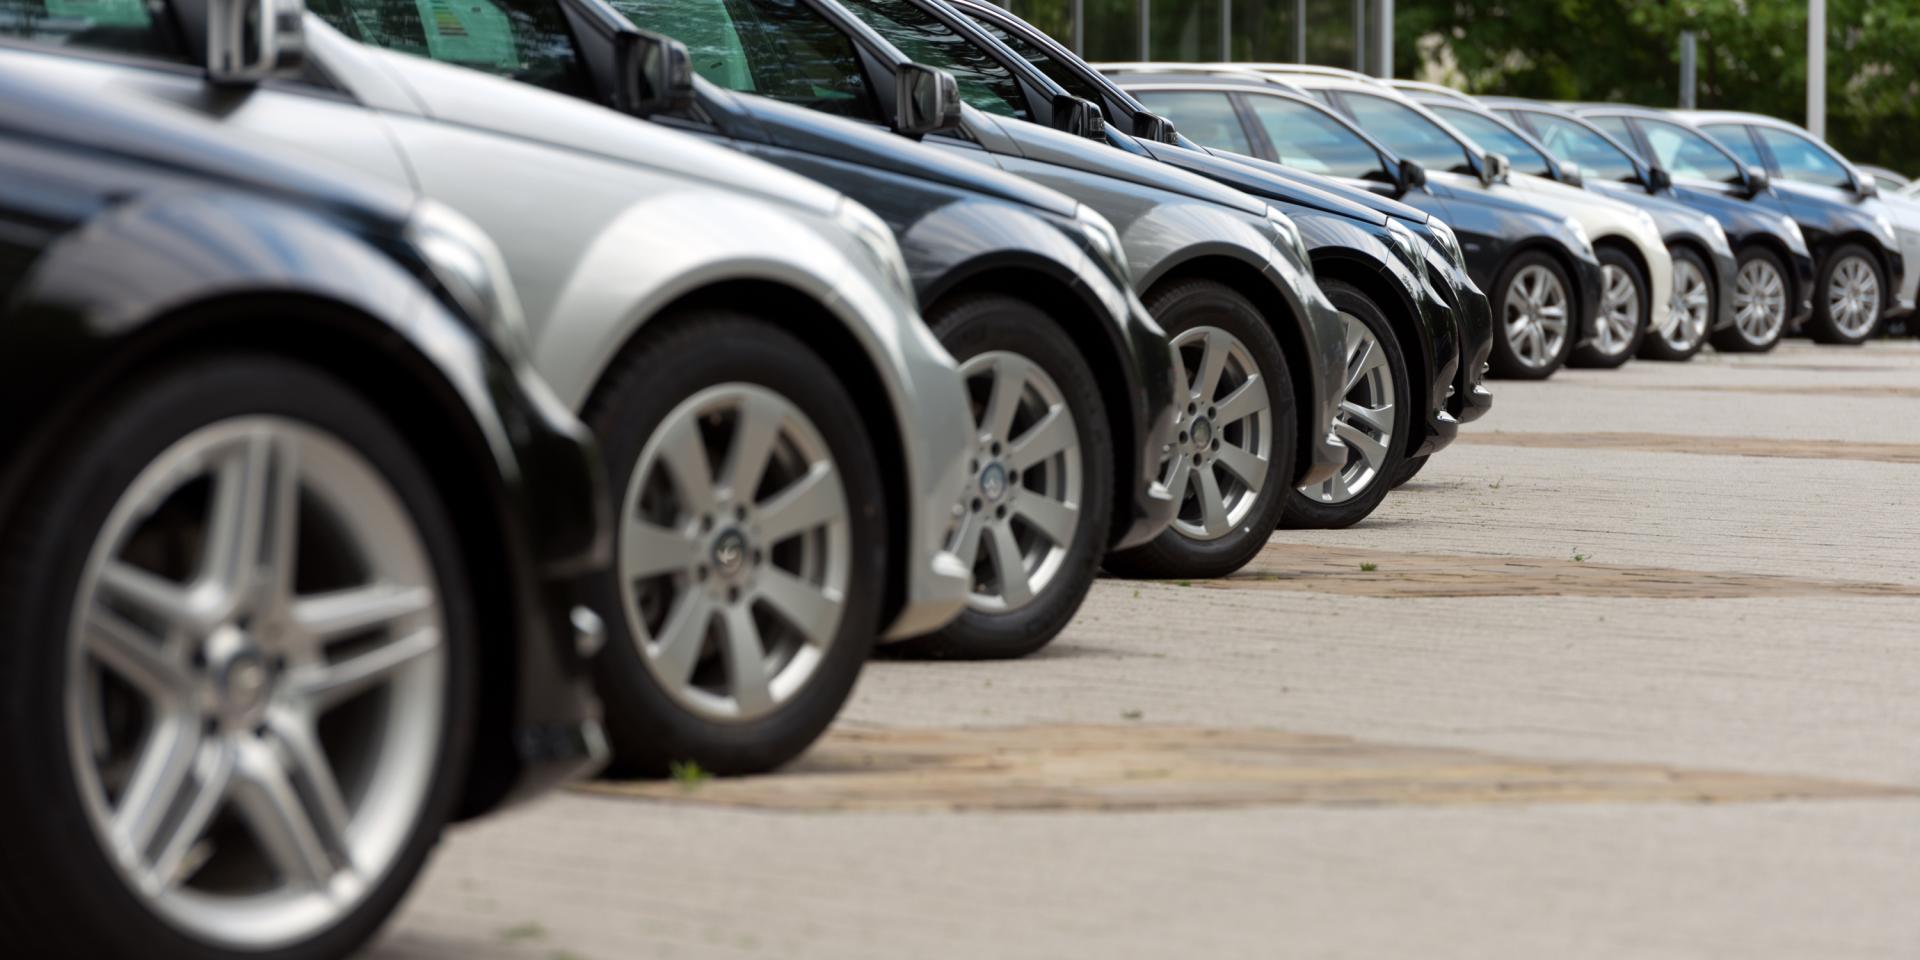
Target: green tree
<point>1752,57</point>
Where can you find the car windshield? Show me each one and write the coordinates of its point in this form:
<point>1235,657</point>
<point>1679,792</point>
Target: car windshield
<point>785,51</point>
<point>1056,70</point>
<point>985,83</point>
<point>1572,140</point>
<point>523,40</point>
<point>1408,133</point>
<point>1495,137</point>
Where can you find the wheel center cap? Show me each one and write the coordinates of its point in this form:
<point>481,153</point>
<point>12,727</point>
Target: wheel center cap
<point>1202,432</point>
<point>730,553</point>
<point>993,482</point>
<point>244,681</point>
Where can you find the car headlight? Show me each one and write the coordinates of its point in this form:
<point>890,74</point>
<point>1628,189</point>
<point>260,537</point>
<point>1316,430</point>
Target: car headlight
<point>1287,235</point>
<point>876,238</point>
<point>1792,228</point>
<point>1579,233</point>
<point>1886,229</point>
<point>467,263</point>
<point>1718,235</point>
<point>1449,243</point>
<point>1103,237</point>
<point>1646,222</point>
<point>1409,246</point>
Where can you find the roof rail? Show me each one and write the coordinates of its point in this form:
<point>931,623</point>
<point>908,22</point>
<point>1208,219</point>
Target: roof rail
<point>1229,71</point>
<point>1421,86</point>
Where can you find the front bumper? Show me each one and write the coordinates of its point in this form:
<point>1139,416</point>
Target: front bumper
<point>1588,277</point>
<point>1448,335</point>
<point>1471,399</point>
<point>937,433</point>
<point>1803,281</point>
<point>1726,274</point>
<point>1326,341</point>
<point>1150,355</point>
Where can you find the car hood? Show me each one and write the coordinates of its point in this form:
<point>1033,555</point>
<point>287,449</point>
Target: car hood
<point>459,95</point>
<point>811,131</point>
<point>1053,146</point>
<point>1259,182</point>
<point>1600,215</point>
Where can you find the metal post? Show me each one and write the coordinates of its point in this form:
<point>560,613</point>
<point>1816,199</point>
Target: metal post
<point>1299,31</point>
<point>1226,29</point>
<point>1817,67</point>
<point>1080,28</point>
<point>1383,32</point>
<point>1146,22</point>
<point>1360,35</point>
<point>1689,52</point>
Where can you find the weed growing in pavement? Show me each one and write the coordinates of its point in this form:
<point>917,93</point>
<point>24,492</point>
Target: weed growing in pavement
<point>1579,557</point>
<point>531,930</point>
<point>1131,714</point>
<point>688,774</point>
<point>1369,567</point>
<point>1496,484</point>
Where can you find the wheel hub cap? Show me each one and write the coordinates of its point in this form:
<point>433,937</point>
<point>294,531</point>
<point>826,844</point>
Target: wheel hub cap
<point>1202,433</point>
<point>993,482</point>
<point>730,554</point>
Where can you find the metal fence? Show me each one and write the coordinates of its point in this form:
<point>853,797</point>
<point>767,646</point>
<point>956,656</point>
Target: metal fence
<point>1342,33</point>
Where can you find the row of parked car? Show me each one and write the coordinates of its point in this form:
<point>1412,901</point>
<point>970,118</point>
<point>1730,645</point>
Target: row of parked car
<point>420,404</point>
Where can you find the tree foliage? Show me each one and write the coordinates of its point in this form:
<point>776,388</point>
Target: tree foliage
<point>1752,56</point>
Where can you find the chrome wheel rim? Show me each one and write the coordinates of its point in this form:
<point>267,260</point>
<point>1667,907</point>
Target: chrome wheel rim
<point>1619,311</point>
<point>1853,296</point>
<point>1692,306</point>
<point>1223,445</point>
<point>735,551</point>
<point>1017,521</point>
<point>1536,316</point>
<point>256,682</point>
<point>1759,302</point>
<point>1365,419</point>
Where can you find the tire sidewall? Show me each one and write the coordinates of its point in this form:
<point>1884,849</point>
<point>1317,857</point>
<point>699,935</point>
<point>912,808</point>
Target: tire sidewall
<point>1823,328</point>
<point>81,485</point>
<point>1505,362</point>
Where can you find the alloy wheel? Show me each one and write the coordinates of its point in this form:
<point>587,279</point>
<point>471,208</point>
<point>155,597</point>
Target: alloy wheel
<point>734,552</point>
<point>1217,464</point>
<point>1365,419</point>
<point>1692,306</point>
<point>1853,296</point>
<point>1536,316</point>
<point>256,682</point>
<point>1016,522</point>
<point>1619,311</point>
<point>1759,302</point>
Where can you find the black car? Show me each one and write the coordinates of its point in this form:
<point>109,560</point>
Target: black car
<point>1703,168</point>
<point>1194,250</point>
<point>1501,237</point>
<point>1768,248</point>
<point>290,537</point>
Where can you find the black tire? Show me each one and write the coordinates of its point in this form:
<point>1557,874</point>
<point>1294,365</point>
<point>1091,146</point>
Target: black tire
<point>1657,347</point>
<point>1823,327</point>
<point>59,894</point>
<point>1305,511</point>
<point>1180,307</point>
<point>672,360</point>
<point>1733,339</point>
<point>970,326</point>
<point>1505,361</point>
<point>1410,469</point>
<point>1589,355</point>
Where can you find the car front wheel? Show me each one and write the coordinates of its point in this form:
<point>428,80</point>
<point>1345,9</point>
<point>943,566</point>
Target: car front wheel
<point>1537,316</point>
<point>1760,305</point>
<point>1374,420</point>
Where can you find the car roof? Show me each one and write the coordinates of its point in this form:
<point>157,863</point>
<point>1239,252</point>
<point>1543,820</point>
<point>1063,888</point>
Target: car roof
<point>1438,90</point>
<point>1702,117</point>
<point>1224,79</point>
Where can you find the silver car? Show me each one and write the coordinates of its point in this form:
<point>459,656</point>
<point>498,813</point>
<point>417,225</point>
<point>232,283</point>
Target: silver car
<point>785,435</point>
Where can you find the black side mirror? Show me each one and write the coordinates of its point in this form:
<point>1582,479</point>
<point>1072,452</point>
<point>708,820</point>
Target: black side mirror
<point>1571,175</point>
<point>1659,180</point>
<point>1152,126</point>
<point>1082,118</point>
<point>926,100</point>
<point>253,40</point>
<point>1495,168</point>
<point>1412,174</point>
<point>1758,181</point>
<point>654,74</point>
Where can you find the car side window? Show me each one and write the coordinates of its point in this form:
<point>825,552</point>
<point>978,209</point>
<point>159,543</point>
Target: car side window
<point>1069,79</point>
<point>1494,138</point>
<point>134,27</point>
<point>985,83</point>
<point>1617,126</point>
<point>1570,141</point>
<point>1736,139</point>
<point>1205,116</point>
<point>1688,153</point>
<point>1307,139</point>
<point>784,51</point>
<point>1407,133</point>
<point>524,40</point>
<point>1803,160</point>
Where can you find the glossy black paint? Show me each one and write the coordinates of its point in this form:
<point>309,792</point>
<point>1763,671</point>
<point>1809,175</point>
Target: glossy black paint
<point>127,239</point>
<point>966,227</point>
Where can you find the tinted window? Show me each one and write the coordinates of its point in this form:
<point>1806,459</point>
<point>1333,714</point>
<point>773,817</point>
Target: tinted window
<point>1803,160</point>
<point>1493,137</point>
<point>524,40</point>
<point>1206,117</point>
<point>1570,140</point>
<point>1069,79</point>
<point>1688,153</point>
<point>985,83</point>
<point>121,26</point>
<point>785,51</point>
<point>1407,133</point>
<point>1305,137</point>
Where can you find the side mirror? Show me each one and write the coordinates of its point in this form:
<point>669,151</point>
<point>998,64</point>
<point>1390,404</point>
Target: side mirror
<point>1865,186</point>
<point>653,74</point>
<point>1082,118</point>
<point>253,40</point>
<point>1494,168</point>
<point>1659,180</point>
<point>1152,126</point>
<point>926,100</point>
<point>1412,174</point>
<point>1571,176</point>
<point>1758,181</point>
